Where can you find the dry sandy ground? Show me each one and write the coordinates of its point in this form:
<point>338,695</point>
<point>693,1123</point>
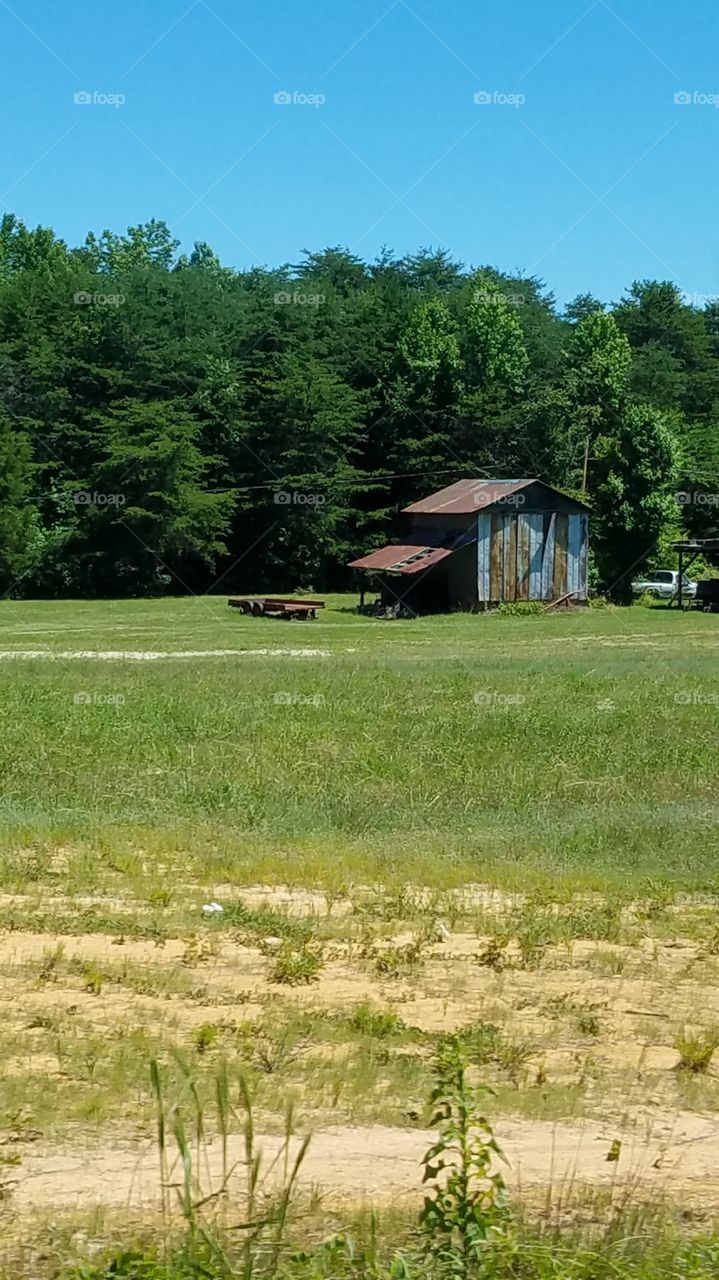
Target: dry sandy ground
<point>665,983</point>
<point>382,1163</point>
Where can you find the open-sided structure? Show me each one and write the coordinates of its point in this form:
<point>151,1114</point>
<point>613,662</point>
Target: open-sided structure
<point>477,543</point>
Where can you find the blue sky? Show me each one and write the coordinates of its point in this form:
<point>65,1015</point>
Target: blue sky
<point>598,177</point>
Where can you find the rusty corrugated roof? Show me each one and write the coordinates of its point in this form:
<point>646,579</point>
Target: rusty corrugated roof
<point>405,559</point>
<point>466,496</point>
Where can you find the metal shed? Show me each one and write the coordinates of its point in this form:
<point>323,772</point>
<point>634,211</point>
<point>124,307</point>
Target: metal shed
<point>478,543</point>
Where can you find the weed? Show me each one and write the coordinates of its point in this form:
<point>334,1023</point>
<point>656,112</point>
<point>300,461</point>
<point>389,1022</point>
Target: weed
<point>465,1216</point>
<point>398,961</point>
<point>696,1050</point>
<point>493,954</point>
<point>480,1042</point>
<point>608,963</point>
<point>296,965</point>
<point>588,1024</point>
<point>378,1023</point>
<point>520,609</point>
<point>93,977</point>
<point>160,896</point>
<point>511,1056</point>
<point>250,923</point>
<point>52,958</point>
<point>205,1036</point>
<point>200,950</point>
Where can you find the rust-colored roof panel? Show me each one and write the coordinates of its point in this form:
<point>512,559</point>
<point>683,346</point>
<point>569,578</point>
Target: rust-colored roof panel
<point>467,496</point>
<point>405,559</point>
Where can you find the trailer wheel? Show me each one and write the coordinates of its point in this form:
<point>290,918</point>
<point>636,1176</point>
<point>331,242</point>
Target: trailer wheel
<point>257,609</point>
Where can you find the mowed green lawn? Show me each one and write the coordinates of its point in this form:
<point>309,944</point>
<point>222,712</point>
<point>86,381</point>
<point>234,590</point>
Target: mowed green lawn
<point>580,748</point>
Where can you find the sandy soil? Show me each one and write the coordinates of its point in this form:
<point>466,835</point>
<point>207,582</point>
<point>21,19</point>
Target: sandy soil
<point>380,1163</point>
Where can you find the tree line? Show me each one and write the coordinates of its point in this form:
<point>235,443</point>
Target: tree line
<point>168,423</point>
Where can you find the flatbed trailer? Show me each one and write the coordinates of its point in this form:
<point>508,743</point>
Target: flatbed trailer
<point>271,607</point>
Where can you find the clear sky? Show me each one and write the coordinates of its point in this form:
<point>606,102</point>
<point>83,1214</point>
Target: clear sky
<point>598,177</point>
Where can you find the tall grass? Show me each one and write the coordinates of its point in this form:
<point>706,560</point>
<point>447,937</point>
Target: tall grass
<point>249,1228</point>
<point>577,762</point>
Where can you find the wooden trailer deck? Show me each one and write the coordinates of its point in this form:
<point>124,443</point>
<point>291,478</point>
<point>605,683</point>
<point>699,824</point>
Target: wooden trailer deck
<point>271,607</point>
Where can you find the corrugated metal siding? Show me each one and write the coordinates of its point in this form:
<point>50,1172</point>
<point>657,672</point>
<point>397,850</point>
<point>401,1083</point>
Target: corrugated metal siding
<point>522,558</point>
<point>496,558</point>
<point>577,555</point>
<point>509,559</point>
<point>536,550</point>
<point>561,542</point>
<point>548,558</point>
<point>531,556</point>
<point>484,535</point>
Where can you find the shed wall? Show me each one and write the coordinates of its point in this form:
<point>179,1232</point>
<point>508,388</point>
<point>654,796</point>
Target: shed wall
<point>531,555</point>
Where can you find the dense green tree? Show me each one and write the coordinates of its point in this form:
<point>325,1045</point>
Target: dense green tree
<point>20,532</point>
<point>423,400</point>
<point>198,393</point>
<point>634,469</point>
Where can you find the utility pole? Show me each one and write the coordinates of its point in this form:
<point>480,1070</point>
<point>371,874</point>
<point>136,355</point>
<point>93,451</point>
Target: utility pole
<point>585,468</point>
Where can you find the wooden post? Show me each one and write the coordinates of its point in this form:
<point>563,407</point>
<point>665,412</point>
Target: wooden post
<point>681,575</point>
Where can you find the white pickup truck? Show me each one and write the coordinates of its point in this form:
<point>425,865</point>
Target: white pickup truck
<point>664,584</point>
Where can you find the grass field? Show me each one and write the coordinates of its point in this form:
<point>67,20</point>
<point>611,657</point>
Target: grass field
<point>580,748</point>
<point>499,828</point>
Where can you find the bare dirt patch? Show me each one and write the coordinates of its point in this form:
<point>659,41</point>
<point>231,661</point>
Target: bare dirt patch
<point>379,1163</point>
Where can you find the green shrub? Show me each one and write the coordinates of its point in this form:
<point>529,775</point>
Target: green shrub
<point>296,965</point>
<point>520,608</point>
<point>696,1050</point>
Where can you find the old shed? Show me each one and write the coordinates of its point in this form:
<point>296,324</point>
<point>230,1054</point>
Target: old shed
<point>478,543</point>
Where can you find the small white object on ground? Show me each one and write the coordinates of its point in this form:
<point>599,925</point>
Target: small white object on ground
<point>212,909</point>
